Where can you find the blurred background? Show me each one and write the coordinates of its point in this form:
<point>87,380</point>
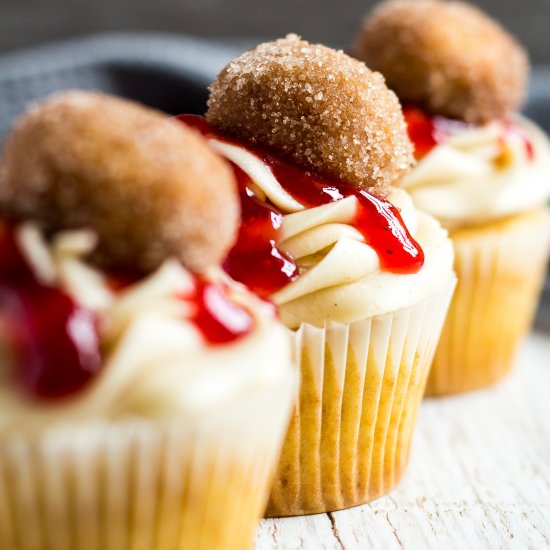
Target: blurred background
<point>30,22</point>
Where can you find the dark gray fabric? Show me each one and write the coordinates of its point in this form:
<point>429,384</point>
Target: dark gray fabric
<point>168,72</point>
<point>164,71</point>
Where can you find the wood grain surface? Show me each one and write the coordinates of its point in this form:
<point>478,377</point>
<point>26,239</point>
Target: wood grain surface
<point>479,477</point>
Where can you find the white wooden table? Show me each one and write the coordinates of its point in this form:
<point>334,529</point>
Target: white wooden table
<point>479,477</point>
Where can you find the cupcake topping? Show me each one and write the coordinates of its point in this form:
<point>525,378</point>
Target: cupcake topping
<point>258,261</point>
<point>219,319</point>
<point>318,143</point>
<point>54,340</point>
<point>55,337</point>
<point>446,56</point>
<point>331,270</point>
<point>471,174</point>
<point>149,187</point>
<point>427,132</point>
<point>91,177</point>
<point>317,108</point>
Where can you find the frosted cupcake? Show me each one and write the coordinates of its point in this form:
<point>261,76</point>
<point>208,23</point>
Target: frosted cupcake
<point>362,279</point>
<point>483,171</point>
<point>144,395</point>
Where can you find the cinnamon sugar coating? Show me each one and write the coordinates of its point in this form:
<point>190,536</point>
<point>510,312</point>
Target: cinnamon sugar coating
<point>316,107</point>
<point>448,57</point>
<point>149,186</point>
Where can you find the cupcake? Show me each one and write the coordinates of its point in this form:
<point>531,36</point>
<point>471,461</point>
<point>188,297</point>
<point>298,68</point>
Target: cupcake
<point>483,171</point>
<point>362,279</point>
<point>144,395</point>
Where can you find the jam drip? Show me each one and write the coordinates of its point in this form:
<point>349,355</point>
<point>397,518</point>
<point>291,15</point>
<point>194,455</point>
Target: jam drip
<point>426,131</point>
<point>376,219</point>
<point>422,131</point>
<point>54,341</point>
<point>255,259</point>
<point>219,319</point>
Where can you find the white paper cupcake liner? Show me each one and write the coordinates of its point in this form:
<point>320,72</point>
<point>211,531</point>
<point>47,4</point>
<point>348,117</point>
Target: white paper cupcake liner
<point>500,268</point>
<point>144,485</point>
<point>349,440</point>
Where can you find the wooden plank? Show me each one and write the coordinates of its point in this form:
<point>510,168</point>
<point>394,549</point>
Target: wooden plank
<point>300,533</point>
<point>479,476</point>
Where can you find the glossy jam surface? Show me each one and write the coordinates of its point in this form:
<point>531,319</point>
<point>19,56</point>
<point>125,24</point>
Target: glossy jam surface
<point>55,343</point>
<point>377,219</point>
<point>219,319</point>
<point>422,131</point>
<point>426,131</point>
<point>256,261</point>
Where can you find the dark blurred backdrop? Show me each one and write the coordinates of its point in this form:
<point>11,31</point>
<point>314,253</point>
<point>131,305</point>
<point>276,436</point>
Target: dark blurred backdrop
<point>30,22</point>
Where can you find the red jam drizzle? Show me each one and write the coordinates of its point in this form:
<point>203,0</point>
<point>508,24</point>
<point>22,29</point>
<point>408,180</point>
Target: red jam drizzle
<point>257,262</point>
<point>377,219</point>
<point>219,319</point>
<point>426,131</point>
<point>55,341</point>
<point>422,131</point>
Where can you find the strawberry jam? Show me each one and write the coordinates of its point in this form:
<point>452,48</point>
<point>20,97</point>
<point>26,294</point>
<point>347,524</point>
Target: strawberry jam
<point>376,219</point>
<point>256,245</point>
<point>218,318</point>
<point>426,131</point>
<point>55,342</point>
<point>255,259</point>
<point>422,131</point>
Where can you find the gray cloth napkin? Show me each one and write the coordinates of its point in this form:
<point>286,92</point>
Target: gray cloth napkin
<point>168,72</point>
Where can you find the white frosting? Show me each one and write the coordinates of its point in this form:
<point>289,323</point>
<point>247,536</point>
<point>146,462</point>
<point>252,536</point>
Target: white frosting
<point>481,174</point>
<point>156,361</point>
<point>258,171</point>
<point>340,277</point>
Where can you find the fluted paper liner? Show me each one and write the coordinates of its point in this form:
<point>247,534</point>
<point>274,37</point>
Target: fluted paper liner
<point>143,485</point>
<point>349,439</point>
<point>500,269</point>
